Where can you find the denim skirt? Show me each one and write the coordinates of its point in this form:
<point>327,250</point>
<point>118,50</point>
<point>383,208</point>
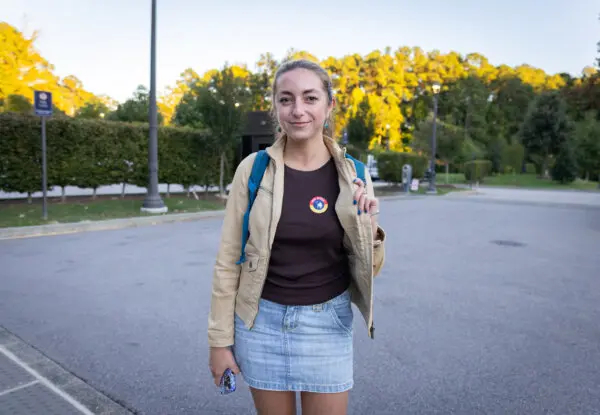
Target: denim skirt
<point>298,348</point>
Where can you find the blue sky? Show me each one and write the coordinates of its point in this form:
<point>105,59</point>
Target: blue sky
<point>106,44</point>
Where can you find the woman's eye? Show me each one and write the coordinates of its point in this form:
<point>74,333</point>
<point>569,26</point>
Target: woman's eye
<point>283,100</point>
<point>312,99</point>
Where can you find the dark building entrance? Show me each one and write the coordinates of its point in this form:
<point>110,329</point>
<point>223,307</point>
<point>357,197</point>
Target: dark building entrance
<point>257,134</point>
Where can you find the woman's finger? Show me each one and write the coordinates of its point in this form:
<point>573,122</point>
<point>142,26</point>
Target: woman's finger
<point>359,190</point>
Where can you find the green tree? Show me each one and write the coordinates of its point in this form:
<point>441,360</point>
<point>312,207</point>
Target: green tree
<point>16,103</point>
<point>135,109</point>
<point>564,169</point>
<point>361,127</point>
<point>587,139</point>
<point>449,141</point>
<point>92,110</point>
<point>219,105</point>
<point>545,128</point>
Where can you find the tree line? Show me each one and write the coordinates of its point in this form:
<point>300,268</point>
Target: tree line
<point>507,116</point>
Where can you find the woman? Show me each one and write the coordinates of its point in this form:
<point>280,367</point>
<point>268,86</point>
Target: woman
<point>284,314</point>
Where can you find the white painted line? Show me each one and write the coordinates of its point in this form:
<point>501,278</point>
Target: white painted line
<point>7,391</point>
<point>45,381</point>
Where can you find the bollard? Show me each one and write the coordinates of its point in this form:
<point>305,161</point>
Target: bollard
<point>406,177</point>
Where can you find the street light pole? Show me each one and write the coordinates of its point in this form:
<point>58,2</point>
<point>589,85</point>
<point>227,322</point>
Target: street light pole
<point>432,188</point>
<point>153,202</point>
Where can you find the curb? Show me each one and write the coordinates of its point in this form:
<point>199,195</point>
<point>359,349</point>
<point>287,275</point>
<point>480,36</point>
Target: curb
<point>66,385</point>
<point>103,225</point>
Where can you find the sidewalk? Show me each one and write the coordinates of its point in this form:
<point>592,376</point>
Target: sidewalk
<point>32,384</point>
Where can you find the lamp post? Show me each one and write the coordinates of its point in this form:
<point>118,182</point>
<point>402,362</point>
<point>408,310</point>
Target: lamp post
<point>436,89</point>
<point>153,202</point>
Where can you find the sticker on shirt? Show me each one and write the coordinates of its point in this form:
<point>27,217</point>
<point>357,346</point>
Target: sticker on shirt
<point>318,204</point>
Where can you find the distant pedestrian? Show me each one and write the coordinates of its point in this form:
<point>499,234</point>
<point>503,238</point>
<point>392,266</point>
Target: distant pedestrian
<point>284,314</point>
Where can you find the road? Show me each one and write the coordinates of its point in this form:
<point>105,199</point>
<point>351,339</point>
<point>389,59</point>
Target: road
<point>483,306</point>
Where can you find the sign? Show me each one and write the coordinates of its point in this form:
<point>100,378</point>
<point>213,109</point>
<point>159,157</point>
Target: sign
<point>414,185</point>
<point>345,138</point>
<point>42,103</point>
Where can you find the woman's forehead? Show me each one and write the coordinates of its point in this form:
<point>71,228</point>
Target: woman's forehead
<point>299,81</point>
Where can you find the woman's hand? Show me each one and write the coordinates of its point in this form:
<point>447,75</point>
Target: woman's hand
<point>221,359</point>
<point>366,205</point>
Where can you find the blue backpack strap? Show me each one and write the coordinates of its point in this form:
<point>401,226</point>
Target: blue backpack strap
<point>360,168</point>
<point>258,170</point>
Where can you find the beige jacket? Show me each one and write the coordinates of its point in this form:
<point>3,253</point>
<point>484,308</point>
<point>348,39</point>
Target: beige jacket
<point>237,288</point>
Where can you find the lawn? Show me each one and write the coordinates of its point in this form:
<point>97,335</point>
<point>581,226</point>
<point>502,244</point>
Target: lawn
<point>20,213</point>
<point>531,181</point>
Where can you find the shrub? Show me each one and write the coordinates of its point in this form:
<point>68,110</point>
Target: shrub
<point>93,153</point>
<point>477,170</point>
<point>390,163</point>
<point>530,168</point>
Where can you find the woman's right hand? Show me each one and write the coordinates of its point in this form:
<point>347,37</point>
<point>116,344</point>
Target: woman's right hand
<point>221,359</point>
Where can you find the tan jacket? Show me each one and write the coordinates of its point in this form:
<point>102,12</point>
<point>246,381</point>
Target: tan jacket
<point>237,288</point>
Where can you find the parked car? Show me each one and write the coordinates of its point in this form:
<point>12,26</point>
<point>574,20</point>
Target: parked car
<point>372,167</point>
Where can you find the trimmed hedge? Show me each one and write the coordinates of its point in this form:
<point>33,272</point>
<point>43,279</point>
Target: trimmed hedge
<point>93,153</point>
<point>477,170</point>
<point>389,165</point>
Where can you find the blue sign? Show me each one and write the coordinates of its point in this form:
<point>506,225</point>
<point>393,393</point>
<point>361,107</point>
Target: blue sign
<point>42,103</point>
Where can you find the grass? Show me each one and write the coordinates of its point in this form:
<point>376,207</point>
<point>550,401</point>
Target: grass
<point>20,213</point>
<point>525,181</point>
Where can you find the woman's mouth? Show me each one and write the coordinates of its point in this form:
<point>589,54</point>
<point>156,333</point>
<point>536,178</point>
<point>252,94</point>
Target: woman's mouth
<point>300,124</point>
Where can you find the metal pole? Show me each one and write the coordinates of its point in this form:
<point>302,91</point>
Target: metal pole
<point>44,170</point>
<point>432,188</point>
<point>153,202</point>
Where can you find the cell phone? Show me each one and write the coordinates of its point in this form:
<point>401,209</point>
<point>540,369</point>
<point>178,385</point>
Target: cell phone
<point>227,385</point>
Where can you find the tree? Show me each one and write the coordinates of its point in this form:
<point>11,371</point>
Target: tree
<point>565,167</point>
<point>587,142</point>
<point>545,128</point>
<point>450,141</point>
<point>16,103</point>
<point>92,110</point>
<point>135,109</point>
<point>361,127</point>
<point>219,105</point>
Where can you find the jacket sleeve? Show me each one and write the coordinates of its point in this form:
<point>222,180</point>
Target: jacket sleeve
<point>379,239</point>
<point>226,272</point>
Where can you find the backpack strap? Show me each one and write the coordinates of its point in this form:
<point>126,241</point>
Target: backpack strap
<point>258,170</point>
<point>360,169</point>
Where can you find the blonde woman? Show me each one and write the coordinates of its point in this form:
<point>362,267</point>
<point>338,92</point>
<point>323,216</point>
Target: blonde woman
<point>283,317</point>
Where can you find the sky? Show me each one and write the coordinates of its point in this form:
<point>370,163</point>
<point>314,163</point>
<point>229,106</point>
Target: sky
<point>106,44</point>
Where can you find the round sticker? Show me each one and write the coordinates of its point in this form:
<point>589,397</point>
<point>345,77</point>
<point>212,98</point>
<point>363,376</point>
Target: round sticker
<point>318,204</point>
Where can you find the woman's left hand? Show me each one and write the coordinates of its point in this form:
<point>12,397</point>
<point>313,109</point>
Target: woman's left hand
<point>366,204</point>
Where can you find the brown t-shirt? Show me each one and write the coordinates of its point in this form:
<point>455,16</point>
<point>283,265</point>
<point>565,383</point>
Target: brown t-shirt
<point>308,262</point>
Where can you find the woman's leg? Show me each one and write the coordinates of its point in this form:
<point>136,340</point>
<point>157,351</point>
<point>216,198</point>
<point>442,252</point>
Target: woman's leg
<point>274,402</point>
<point>324,403</point>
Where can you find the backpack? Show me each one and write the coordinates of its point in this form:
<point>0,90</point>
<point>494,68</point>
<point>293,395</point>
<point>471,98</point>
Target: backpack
<point>258,170</point>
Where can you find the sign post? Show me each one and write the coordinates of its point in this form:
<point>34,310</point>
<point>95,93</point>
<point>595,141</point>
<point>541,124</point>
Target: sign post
<point>42,104</point>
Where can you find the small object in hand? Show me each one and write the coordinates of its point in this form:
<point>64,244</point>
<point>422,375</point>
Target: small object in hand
<point>227,385</point>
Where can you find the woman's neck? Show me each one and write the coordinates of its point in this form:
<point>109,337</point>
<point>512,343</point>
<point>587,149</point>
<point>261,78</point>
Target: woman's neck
<point>307,154</point>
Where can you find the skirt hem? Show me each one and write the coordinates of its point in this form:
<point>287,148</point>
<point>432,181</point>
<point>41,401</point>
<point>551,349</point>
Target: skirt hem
<point>298,387</point>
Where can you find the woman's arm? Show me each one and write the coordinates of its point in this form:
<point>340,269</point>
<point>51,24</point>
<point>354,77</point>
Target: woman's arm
<point>226,273</point>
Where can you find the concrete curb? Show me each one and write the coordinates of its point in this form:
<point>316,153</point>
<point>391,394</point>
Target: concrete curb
<point>103,225</point>
<point>64,382</point>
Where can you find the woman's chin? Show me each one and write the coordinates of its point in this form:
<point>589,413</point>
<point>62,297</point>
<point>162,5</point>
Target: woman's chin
<point>302,135</point>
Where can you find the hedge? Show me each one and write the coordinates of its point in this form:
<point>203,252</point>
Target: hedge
<point>93,153</point>
<point>477,170</point>
<point>389,165</point>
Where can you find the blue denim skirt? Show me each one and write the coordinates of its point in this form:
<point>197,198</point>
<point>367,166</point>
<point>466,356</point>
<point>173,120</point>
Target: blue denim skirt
<point>298,348</point>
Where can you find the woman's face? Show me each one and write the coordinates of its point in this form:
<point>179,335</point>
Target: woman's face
<point>302,104</point>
